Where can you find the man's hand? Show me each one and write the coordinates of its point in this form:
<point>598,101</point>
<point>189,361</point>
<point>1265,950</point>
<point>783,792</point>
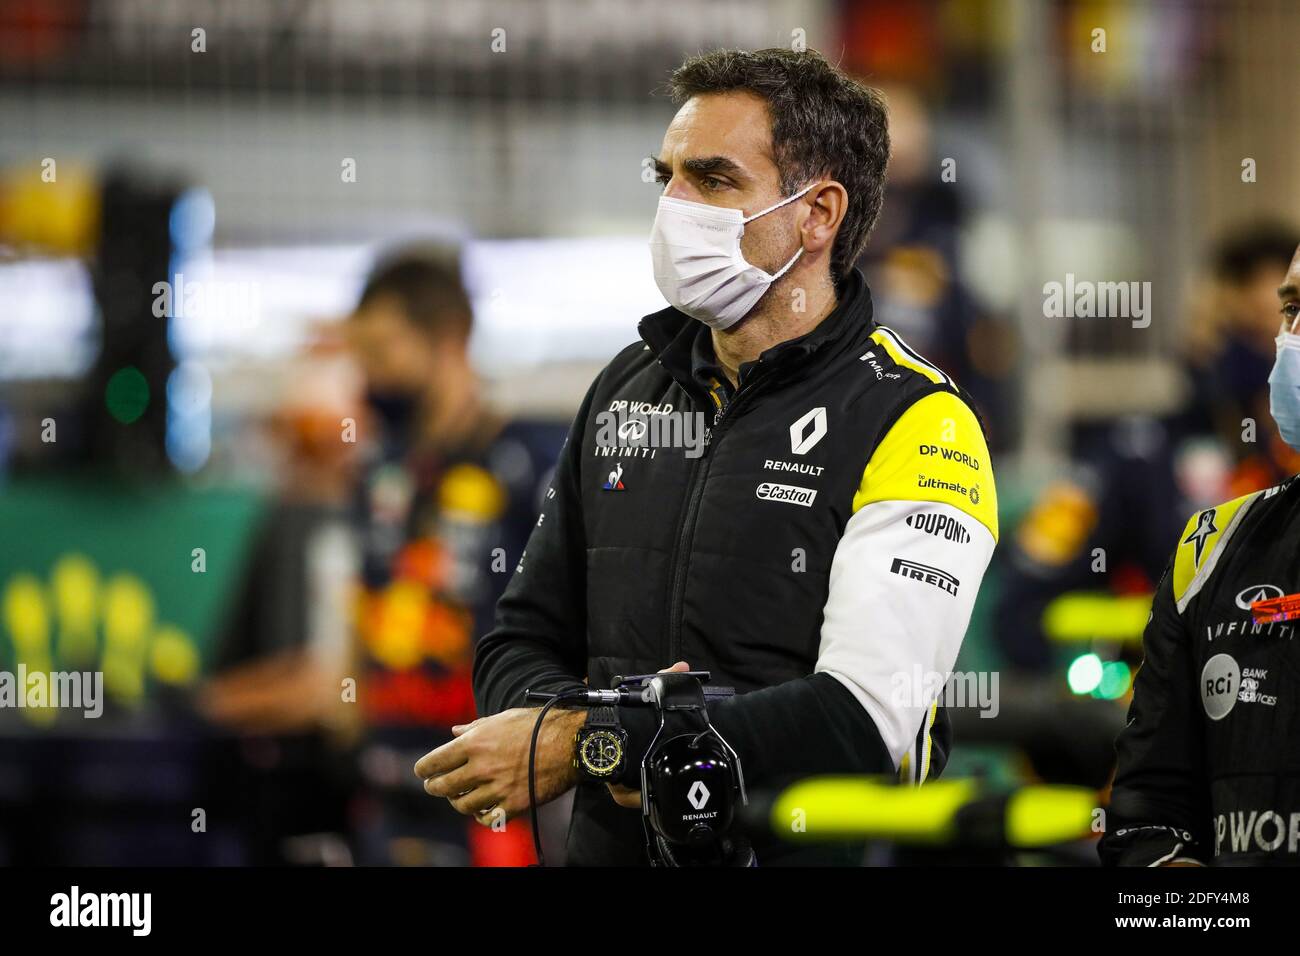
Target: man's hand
<point>288,692</point>
<point>630,797</point>
<point>484,771</point>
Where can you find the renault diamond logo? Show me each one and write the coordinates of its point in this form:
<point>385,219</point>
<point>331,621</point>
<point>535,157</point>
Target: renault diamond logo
<point>698,795</point>
<point>801,444</point>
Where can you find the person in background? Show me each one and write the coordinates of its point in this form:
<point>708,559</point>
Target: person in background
<point>1232,350</point>
<point>1134,480</point>
<point>1207,766</point>
<point>449,492</point>
<point>913,265</point>
<point>287,638</point>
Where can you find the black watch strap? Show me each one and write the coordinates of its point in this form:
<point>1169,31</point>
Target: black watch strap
<point>605,717</point>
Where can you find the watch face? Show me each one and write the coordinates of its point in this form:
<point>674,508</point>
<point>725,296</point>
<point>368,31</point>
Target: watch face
<point>600,752</point>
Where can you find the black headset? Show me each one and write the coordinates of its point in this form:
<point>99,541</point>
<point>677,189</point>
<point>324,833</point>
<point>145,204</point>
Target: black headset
<point>691,783</point>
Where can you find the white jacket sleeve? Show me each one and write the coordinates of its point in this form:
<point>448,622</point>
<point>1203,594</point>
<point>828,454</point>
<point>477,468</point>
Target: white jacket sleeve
<point>907,570</point>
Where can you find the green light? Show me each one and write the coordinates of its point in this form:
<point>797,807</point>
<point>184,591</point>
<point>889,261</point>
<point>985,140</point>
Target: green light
<point>127,394</point>
<point>1115,680</point>
<point>1085,673</point>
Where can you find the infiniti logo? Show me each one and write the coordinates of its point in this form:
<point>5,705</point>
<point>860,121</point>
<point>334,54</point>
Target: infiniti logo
<point>1257,592</point>
<point>634,429</point>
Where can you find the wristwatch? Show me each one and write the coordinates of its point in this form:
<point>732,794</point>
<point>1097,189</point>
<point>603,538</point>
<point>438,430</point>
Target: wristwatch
<point>601,745</point>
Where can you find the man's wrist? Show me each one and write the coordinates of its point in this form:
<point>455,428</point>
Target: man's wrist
<point>561,730</point>
<point>566,721</point>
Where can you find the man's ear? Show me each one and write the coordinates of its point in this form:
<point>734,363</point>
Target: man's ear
<point>829,203</point>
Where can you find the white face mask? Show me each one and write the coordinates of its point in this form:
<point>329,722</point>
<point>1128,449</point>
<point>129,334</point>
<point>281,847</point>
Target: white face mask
<point>698,264</point>
<point>1284,389</point>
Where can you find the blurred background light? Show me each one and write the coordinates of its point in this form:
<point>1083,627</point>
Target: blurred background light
<point>127,395</point>
<point>1084,674</point>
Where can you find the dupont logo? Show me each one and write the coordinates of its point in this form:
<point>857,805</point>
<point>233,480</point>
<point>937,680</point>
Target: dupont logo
<point>790,494</point>
<point>939,525</point>
<point>923,572</point>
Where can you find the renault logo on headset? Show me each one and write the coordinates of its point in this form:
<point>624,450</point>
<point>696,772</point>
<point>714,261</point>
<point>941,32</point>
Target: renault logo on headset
<point>698,795</point>
<point>801,444</point>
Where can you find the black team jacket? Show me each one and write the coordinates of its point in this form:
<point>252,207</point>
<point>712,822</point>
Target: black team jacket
<point>817,546</point>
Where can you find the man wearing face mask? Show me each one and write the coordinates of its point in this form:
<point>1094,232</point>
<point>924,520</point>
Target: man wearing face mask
<point>819,551</point>
<point>1208,764</point>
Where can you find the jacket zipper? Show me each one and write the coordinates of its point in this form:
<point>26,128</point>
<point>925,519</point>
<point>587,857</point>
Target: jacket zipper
<point>686,533</point>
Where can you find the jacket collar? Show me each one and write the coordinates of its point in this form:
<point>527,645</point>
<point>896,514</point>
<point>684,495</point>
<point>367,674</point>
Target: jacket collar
<point>672,335</point>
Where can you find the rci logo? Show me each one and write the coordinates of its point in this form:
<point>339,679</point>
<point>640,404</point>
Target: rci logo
<point>1220,682</point>
<point>78,619</point>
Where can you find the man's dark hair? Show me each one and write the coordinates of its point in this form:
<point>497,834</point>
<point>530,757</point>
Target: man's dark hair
<point>427,287</point>
<point>824,123</point>
<point>1253,246</point>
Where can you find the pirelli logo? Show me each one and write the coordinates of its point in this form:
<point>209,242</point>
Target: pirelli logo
<point>923,572</point>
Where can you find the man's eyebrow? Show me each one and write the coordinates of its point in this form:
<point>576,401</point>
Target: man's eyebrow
<point>702,166</point>
<point>1288,290</point>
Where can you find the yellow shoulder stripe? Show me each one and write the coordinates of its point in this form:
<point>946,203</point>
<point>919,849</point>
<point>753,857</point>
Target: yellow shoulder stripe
<point>893,346</point>
<point>935,452</point>
<point>1199,543</point>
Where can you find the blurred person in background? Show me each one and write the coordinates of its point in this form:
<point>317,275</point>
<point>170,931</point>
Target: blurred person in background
<point>288,636</point>
<point>773,173</point>
<point>1133,480</point>
<point>288,641</point>
<point>1233,348</point>
<point>913,266</point>
<point>1208,764</point>
<point>450,489</point>
<point>387,426</point>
